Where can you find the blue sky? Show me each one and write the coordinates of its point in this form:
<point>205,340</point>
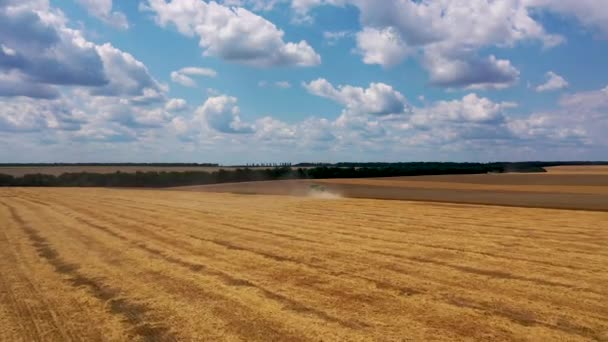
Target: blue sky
<point>239,81</point>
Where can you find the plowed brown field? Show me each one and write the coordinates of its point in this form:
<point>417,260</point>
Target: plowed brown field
<point>101,264</point>
<point>574,190</point>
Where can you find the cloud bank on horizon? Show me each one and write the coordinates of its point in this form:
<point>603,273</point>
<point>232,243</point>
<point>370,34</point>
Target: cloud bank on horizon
<point>303,80</point>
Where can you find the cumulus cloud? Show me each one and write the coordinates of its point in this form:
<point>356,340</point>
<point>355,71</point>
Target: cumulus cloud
<point>448,34</point>
<point>14,83</point>
<point>580,121</point>
<point>453,124</point>
<point>587,101</point>
<point>471,108</point>
<point>183,76</point>
<point>470,72</point>
<point>462,125</point>
<point>590,13</point>
<point>545,126</point>
<point>40,53</point>
<point>25,114</point>
<point>554,82</point>
<point>37,45</point>
<point>377,99</point>
<point>222,114</point>
<point>382,46</point>
<point>102,9</point>
<point>111,112</point>
<point>176,105</point>
<point>233,33</point>
<point>55,82</point>
<point>268,128</point>
<point>127,75</point>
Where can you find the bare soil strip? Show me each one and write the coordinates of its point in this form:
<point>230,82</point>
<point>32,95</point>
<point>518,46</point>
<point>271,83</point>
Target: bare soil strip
<point>173,265</point>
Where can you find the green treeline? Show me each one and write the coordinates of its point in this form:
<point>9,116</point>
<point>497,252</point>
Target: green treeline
<point>109,164</point>
<point>168,179</point>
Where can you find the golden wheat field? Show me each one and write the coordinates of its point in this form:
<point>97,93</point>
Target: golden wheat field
<point>579,169</point>
<point>102,264</point>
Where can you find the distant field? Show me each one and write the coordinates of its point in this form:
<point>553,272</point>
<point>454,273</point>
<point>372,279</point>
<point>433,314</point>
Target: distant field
<point>590,169</point>
<point>544,190</point>
<point>102,264</point>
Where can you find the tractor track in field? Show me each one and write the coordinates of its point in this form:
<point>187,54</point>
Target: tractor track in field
<point>134,313</point>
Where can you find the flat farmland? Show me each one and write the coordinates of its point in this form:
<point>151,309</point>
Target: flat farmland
<point>104,264</point>
<point>583,189</point>
<point>579,169</point>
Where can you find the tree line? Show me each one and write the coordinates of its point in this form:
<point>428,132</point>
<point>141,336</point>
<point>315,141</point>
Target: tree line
<point>109,164</point>
<point>171,178</point>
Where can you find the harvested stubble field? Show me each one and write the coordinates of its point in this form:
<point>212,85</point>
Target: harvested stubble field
<point>102,264</point>
<point>579,169</point>
<point>580,189</point>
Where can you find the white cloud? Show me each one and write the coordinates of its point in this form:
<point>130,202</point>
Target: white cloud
<point>128,113</point>
<point>182,76</point>
<point>58,84</point>
<point>126,75</point>
<point>102,9</point>
<point>377,99</point>
<point>15,83</point>
<point>7,52</point>
<point>587,101</point>
<point>27,115</point>
<point>277,84</point>
<point>591,13</point>
<point>40,54</point>
<point>332,37</point>
<point>268,128</point>
<point>282,84</point>
<point>471,108</point>
<point>554,82</point>
<point>449,34</point>
<point>302,7</point>
<point>222,114</point>
<point>175,105</point>
<point>55,85</point>
<point>469,71</point>
<point>454,124</point>
<point>540,126</point>
<point>37,44</point>
<point>233,33</point>
<point>382,46</point>
<point>255,5</point>
<point>580,121</point>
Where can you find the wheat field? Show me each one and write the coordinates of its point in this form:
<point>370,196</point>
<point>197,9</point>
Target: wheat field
<point>102,264</point>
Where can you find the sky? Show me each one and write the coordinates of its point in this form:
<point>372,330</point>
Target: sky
<point>244,81</point>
